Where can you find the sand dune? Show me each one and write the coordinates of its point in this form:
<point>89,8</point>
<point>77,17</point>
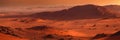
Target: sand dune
<point>86,22</point>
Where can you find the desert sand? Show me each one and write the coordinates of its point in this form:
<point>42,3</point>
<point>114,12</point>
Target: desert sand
<point>86,22</point>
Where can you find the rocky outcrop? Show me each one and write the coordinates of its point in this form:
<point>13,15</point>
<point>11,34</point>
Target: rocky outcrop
<point>7,30</point>
<point>100,36</point>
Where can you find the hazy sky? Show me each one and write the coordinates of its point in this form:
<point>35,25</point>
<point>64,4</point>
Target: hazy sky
<point>60,2</point>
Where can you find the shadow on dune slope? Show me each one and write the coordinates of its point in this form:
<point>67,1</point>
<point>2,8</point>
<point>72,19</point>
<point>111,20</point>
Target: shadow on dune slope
<point>115,36</point>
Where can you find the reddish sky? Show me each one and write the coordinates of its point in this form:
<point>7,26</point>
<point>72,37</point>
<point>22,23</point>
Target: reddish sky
<point>62,2</point>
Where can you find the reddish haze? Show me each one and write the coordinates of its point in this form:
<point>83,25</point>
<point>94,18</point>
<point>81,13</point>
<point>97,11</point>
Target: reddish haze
<point>61,2</point>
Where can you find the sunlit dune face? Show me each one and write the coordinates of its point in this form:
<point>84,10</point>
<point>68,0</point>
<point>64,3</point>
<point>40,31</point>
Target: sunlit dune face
<point>61,2</point>
<point>75,33</point>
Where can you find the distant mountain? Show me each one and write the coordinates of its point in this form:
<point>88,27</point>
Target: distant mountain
<point>77,12</point>
<point>114,9</point>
